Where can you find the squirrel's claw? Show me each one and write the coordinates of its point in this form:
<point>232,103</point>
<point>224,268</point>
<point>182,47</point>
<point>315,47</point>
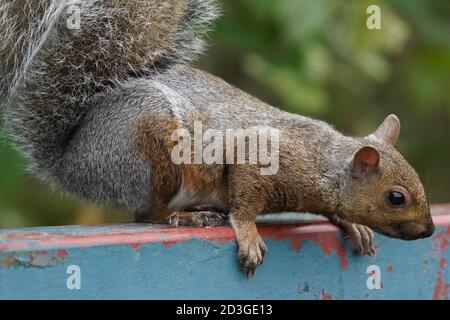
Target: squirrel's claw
<point>251,255</point>
<point>198,219</point>
<point>361,239</point>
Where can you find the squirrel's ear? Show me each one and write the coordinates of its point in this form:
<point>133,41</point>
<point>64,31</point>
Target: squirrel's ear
<point>364,160</point>
<point>389,130</point>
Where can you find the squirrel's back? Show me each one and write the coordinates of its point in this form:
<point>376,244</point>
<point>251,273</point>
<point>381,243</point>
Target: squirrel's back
<point>55,54</point>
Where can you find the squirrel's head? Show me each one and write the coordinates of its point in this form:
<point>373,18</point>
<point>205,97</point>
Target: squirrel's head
<point>386,192</point>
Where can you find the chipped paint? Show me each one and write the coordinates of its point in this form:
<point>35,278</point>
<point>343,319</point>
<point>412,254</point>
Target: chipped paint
<point>165,262</point>
<point>135,235</point>
<point>322,234</point>
<point>440,245</point>
<point>442,263</point>
<point>441,289</point>
<point>41,258</point>
<point>135,246</point>
<point>441,240</point>
<point>327,242</point>
<point>61,253</point>
<point>325,296</point>
<point>303,287</point>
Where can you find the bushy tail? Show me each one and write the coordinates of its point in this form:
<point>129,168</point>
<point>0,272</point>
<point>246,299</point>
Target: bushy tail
<point>54,54</point>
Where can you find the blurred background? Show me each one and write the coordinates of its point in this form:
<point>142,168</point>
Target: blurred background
<point>316,58</point>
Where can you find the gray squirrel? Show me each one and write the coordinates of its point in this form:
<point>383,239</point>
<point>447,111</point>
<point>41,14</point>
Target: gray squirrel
<point>94,110</point>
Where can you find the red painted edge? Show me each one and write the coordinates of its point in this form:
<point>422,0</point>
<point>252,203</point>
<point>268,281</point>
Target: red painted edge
<point>129,235</point>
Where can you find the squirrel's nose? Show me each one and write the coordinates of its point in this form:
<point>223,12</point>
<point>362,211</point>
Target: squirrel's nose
<point>414,230</point>
<point>431,228</point>
<point>428,231</point>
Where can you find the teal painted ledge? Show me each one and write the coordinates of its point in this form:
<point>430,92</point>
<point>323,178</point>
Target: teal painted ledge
<point>305,260</point>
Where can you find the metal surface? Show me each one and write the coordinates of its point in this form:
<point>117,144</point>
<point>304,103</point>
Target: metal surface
<point>307,260</point>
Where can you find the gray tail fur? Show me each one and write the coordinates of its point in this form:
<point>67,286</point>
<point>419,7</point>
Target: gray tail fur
<point>55,54</point>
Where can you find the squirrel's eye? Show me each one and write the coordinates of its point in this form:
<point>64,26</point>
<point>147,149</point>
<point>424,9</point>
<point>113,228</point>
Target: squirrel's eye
<point>396,198</point>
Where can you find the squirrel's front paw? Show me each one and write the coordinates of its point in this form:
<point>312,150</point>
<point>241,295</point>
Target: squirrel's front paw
<point>361,239</point>
<point>198,219</point>
<point>251,254</point>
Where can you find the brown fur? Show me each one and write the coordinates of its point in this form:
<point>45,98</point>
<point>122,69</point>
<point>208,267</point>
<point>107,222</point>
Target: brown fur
<point>167,178</point>
<point>295,187</point>
<point>80,103</point>
<point>151,135</point>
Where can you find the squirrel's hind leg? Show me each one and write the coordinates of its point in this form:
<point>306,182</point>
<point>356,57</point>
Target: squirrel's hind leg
<point>203,217</point>
<point>198,218</point>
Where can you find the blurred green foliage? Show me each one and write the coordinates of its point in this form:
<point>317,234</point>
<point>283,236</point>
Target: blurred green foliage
<point>315,58</point>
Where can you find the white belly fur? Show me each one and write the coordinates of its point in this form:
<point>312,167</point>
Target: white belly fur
<point>189,197</point>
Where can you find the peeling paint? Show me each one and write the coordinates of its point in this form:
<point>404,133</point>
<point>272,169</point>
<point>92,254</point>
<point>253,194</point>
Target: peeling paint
<point>442,263</point>
<point>425,267</point>
<point>194,252</point>
<point>303,287</point>
<point>7,260</point>
<point>61,253</point>
<point>441,240</point>
<point>441,289</point>
<point>155,271</point>
<point>169,243</point>
<point>135,246</point>
<point>322,234</point>
<point>40,259</point>
<point>327,242</point>
<point>325,296</point>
